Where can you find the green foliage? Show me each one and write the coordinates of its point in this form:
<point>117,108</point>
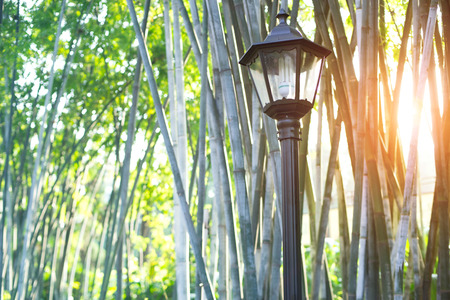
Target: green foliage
<point>334,267</point>
<point>87,141</point>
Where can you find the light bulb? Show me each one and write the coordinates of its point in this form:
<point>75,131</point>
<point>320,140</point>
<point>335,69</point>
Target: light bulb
<point>286,79</point>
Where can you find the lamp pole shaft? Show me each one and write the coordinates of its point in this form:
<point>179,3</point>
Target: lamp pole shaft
<point>289,136</point>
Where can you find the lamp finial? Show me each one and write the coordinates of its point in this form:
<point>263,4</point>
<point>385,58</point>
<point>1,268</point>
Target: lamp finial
<point>282,16</point>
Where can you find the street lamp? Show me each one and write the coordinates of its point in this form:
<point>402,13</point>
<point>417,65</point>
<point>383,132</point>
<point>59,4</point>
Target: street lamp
<point>285,70</point>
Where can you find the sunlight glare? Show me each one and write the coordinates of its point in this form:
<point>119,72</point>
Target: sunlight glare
<point>406,114</point>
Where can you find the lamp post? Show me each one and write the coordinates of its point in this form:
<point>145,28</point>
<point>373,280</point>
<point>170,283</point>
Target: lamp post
<point>285,70</point>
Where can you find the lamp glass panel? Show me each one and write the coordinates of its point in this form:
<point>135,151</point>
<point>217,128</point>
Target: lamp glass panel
<point>259,82</point>
<point>309,75</point>
<point>280,68</point>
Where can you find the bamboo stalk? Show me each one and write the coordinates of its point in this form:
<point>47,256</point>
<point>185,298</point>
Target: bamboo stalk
<point>431,253</point>
<point>344,239</point>
<point>318,166</point>
<point>202,142</point>
<point>257,186</point>
<point>75,259</point>
<point>362,255</point>
<point>311,209</point>
<point>85,285</point>
<point>259,146</point>
<point>273,14</point>
<point>372,288</point>
<point>275,274</point>
<point>103,236</point>
<point>303,151</point>
<point>61,281</point>
<point>243,29</point>
<point>409,278</point>
<point>417,260</point>
<point>320,242</point>
<point>178,119</point>
<point>40,269</point>
<point>392,181</point>
<point>196,19</point>
<point>223,263</point>
<point>294,13</point>
<point>53,264</point>
<point>251,9</point>
<point>112,223</point>
<point>303,166</point>
<point>267,232</point>
<point>359,164</point>
<point>217,240</point>
<point>379,220</point>
<point>386,200</point>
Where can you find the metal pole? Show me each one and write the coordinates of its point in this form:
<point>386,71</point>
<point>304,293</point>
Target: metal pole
<point>289,136</point>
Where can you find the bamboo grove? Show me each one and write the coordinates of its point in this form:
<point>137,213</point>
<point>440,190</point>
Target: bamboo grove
<point>136,161</point>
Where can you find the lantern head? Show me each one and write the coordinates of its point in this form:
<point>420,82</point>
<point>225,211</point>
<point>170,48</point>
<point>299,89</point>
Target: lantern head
<point>285,70</point>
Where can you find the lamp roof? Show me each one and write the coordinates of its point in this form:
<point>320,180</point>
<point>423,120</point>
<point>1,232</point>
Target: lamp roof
<point>283,36</point>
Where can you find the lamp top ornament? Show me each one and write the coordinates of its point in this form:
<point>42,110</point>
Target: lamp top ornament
<point>282,31</point>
